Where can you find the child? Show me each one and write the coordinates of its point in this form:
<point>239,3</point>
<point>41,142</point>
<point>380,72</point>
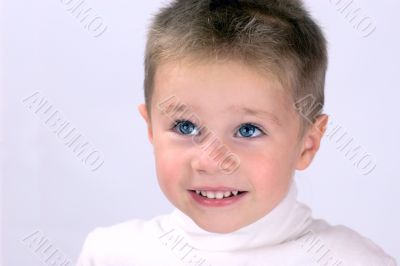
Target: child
<point>233,103</point>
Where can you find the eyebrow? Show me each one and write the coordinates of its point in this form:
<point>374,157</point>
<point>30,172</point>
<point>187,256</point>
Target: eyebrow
<point>256,112</point>
<point>245,110</point>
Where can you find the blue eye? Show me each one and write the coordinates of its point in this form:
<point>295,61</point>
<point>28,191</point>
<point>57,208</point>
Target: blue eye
<point>247,130</point>
<point>184,127</point>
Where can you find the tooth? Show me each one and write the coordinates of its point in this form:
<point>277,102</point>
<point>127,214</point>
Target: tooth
<point>197,192</point>
<point>203,193</point>
<point>227,194</point>
<point>210,195</point>
<point>235,192</point>
<point>219,195</point>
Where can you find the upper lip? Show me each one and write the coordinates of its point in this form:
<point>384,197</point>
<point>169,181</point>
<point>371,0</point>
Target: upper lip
<point>221,189</point>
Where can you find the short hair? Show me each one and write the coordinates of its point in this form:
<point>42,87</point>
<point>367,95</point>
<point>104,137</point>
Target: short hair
<point>278,36</point>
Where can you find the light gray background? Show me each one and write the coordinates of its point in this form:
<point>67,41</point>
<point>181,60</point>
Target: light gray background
<point>96,83</point>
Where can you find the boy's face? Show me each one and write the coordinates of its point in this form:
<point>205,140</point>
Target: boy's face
<point>265,144</point>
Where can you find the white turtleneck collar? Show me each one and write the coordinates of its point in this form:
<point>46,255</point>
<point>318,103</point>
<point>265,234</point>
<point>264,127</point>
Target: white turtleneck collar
<point>287,221</point>
<point>174,239</point>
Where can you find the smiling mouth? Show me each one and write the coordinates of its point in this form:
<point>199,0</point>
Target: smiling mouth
<point>218,194</point>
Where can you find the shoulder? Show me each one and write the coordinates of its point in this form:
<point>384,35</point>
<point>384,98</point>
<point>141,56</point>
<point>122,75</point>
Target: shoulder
<point>116,234</point>
<point>112,243</point>
<point>343,245</point>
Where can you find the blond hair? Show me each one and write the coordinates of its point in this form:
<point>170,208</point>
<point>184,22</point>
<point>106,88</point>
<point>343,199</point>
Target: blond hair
<point>278,36</point>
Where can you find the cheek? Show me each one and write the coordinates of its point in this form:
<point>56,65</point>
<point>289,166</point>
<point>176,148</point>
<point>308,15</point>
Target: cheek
<point>269,173</point>
<point>169,168</point>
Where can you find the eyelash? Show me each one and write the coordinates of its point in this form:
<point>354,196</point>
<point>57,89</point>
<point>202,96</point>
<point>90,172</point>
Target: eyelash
<point>178,122</point>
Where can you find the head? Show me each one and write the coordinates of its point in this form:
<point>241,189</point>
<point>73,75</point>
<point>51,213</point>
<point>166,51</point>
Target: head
<point>223,83</point>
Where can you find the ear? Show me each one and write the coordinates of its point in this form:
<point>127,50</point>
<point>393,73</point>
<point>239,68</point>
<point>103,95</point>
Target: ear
<point>143,112</point>
<point>311,142</point>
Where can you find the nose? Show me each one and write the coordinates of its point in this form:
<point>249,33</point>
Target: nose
<point>214,159</point>
<point>206,161</point>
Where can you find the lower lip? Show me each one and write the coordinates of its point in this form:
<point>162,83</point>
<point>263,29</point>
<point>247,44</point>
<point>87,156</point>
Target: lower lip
<point>216,202</point>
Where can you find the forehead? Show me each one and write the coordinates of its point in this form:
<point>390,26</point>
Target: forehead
<point>227,86</point>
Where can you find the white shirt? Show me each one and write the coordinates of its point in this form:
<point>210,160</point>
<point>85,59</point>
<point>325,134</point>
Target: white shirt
<point>288,235</point>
